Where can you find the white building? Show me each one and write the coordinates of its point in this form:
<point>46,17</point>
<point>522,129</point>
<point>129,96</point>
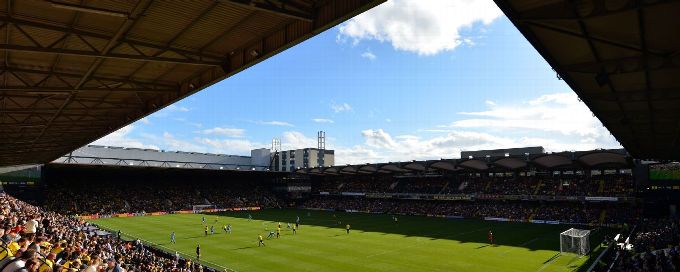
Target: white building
<point>303,158</point>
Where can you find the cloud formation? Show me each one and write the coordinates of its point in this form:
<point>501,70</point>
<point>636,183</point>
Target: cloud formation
<point>559,112</point>
<point>297,140</point>
<point>123,137</point>
<point>274,123</point>
<point>368,55</point>
<point>337,108</point>
<point>175,108</point>
<point>323,120</point>
<point>420,26</point>
<point>224,131</point>
<point>558,122</point>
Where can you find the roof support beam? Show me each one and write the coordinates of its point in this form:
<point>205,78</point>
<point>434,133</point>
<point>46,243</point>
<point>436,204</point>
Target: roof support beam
<point>84,33</point>
<point>93,54</point>
<point>151,85</point>
<point>635,95</point>
<point>555,11</point>
<point>596,39</point>
<point>648,82</point>
<point>67,90</point>
<point>623,65</point>
<point>269,6</point>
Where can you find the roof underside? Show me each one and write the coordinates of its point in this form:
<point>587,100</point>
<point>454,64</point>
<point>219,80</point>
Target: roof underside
<point>594,159</point>
<point>621,57</point>
<point>74,71</point>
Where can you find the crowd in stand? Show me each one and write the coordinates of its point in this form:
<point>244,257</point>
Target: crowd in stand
<point>517,210</point>
<point>122,197</point>
<point>568,185</point>
<point>34,239</point>
<point>655,247</point>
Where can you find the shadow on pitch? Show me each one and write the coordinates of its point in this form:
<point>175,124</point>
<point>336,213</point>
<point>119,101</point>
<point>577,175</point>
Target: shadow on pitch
<point>512,234</point>
<point>242,248</point>
<point>552,258</point>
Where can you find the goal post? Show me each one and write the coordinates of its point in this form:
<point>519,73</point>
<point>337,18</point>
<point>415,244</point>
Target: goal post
<point>201,208</point>
<point>575,241</point>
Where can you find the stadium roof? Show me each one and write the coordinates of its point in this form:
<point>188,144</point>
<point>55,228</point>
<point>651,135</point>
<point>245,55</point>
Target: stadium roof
<point>73,71</point>
<point>595,159</point>
<point>136,157</point>
<point>621,57</point>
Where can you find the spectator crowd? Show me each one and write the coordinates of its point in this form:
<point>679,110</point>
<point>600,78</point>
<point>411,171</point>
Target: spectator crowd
<point>568,185</point>
<point>655,247</point>
<point>76,197</point>
<point>37,240</point>
<point>566,212</point>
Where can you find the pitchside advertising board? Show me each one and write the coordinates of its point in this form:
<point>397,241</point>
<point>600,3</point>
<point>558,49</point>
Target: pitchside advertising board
<point>96,216</point>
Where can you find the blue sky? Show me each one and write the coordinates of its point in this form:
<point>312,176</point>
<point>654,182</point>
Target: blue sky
<point>410,79</point>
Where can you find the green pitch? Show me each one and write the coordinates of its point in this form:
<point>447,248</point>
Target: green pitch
<point>375,243</point>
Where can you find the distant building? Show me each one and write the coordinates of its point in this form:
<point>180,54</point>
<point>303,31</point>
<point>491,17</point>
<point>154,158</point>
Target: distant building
<point>303,158</point>
<point>260,157</point>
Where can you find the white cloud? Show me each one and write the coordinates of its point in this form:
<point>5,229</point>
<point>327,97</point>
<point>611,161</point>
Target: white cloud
<point>170,142</point>
<point>368,55</point>
<point>229,146</point>
<point>357,155</point>
<point>412,147</point>
<point>122,137</point>
<point>323,120</point>
<point>340,107</point>
<point>378,138</point>
<point>169,110</point>
<point>559,112</point>
<point>296,140</point>
<point>420,26</point>
<point>388,120</point>
<point>224,131</point>
<point>558,122</point>
<point>174,108</point>
<point>274,123</point>
<point>145,121</point>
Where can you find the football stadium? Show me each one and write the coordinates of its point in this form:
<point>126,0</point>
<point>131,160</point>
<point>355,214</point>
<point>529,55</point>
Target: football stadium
<point>76,71</point>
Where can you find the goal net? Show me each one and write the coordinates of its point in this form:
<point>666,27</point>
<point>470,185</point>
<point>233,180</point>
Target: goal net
<point>201,208</point>
<point>575,241</point>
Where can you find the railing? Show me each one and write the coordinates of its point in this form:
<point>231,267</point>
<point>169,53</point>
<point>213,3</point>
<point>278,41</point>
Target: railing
<point>616,258</point>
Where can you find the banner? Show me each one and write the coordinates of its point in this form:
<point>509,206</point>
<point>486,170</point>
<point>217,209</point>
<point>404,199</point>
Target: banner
<point>378,195</point>
<point>537,221</point>
<point>452,197</point>
<point>552,222</point>
<point>97,216</point>
<point>601,198</point>
<point>500,219</point>
<point>352,194</point>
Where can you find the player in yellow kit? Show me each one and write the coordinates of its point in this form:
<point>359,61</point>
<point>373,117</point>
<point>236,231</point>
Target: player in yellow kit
<point>347,227</point>
<point>261,243</point>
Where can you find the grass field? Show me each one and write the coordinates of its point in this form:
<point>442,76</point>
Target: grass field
<point>375,243</point>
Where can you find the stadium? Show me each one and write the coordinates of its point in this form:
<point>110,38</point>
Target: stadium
<point>76,71</point>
